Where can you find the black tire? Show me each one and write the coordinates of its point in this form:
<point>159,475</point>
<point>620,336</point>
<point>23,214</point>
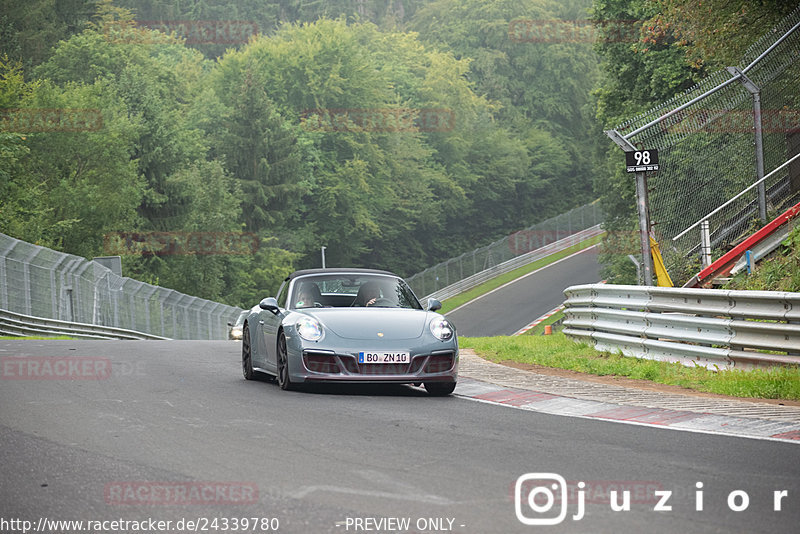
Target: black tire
<point>439,389</point>
<point>284,380</point>
<point>247,355</point>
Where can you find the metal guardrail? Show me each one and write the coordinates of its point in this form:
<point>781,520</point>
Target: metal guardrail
<point>514,263</point>
<point>17,324</point>
<point>714,328</point>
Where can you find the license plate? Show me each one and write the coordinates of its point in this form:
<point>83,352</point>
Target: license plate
<point>384,357</point>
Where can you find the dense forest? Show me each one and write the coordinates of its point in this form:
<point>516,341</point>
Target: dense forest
<point>394,133</point>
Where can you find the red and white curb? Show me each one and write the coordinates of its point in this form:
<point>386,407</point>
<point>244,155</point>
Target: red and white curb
<point>634,415</point>
<point>537,321</point>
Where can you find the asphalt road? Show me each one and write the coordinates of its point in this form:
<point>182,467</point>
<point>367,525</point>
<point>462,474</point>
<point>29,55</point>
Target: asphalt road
<point>175,418</point>
<point>514,305</point>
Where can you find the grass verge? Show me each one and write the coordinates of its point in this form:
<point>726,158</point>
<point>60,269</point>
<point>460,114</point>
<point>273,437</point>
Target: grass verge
<point>560,352</point>
<point>462,298</point>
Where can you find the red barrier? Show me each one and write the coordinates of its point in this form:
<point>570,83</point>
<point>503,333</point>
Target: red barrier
<point>723,266</point>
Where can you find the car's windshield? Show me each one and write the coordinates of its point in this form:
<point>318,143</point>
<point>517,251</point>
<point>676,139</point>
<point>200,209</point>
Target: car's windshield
<point>343,290</point>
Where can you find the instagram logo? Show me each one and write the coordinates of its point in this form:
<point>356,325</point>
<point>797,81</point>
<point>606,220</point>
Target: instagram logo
<point>542,498</point>
<point>540,491</point>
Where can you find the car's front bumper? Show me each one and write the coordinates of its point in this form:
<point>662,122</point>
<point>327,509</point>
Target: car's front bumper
<point>437,363</point>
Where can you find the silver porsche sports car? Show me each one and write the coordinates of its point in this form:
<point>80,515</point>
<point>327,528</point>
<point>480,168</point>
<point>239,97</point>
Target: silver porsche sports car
<point>349,325</point>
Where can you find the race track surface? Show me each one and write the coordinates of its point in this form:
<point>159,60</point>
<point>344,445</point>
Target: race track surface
<point>514,305</point>
<point>175,418</point>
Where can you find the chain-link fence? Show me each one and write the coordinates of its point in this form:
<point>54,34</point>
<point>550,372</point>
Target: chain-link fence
<point>454,270</point>
<point>709,148</point>
<point>45,283</point>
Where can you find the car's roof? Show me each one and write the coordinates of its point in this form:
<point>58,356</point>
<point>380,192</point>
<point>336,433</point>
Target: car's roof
<point>337,270</point>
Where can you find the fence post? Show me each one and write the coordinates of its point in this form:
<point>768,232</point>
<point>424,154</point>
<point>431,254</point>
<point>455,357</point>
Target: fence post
<point>132,304</point>
<point>115,299</point>
<point>754,90</point>
<point>78,299</point>
<point>3,285</point>
<point>54,293</point>
<point>26,273</point>
<point>569,222</point>
<point>705,243</point>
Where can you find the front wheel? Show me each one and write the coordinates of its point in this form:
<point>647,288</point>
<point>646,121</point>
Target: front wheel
<point>440,389</point>
<point>284,381</point>
<point>247,356</point>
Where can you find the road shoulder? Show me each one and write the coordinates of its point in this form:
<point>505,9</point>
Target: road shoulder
<point>632,401</point>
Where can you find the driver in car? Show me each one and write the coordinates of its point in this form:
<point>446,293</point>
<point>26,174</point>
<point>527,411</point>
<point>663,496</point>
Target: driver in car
<point>368,294</point>
<point>305,297</point>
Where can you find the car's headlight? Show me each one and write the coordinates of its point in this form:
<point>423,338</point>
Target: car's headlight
<point>442,329</point>
<point>309,329</point>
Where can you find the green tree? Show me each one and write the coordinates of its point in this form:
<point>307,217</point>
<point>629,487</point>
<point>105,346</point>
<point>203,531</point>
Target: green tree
<point>542,82</point>
<point>638,72</point>
<point>715,33</point>
<point>156,77</point>
<point>28,30</point>
<point>78,179</point>
<point>211,199</point>
<point>19,199</point>
<point>260,149</point>
<point>359,176</point>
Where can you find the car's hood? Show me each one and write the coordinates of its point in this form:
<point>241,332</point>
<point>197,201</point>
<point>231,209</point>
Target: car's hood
<point>369,324</point>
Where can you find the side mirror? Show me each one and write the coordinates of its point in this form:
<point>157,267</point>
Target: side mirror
<point>230,323</point>
<point>269,304</point>
<point>434,305</point>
